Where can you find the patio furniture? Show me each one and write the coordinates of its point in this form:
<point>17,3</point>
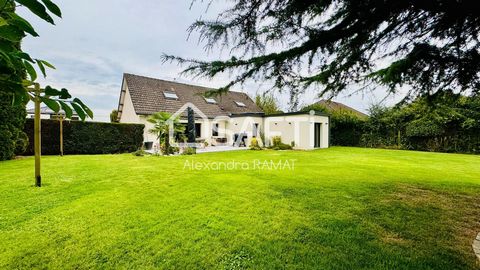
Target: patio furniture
<point>239,139</point>
<point>220,141</point>
<point>148,145</point>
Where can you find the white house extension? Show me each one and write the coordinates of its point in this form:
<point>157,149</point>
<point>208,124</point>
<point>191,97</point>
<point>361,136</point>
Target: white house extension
<point>220,120</point>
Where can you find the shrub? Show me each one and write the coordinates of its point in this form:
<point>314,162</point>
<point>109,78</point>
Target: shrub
<point>139,153</point>
<point>168,151</point>
<point>12,120</point>
<point>188,151</point>
<point>254,144</point>
<point>276,141</point>
<point>87,137</point>
<point>21,144</point>
<point>282,146</point>
<point>277,144</point>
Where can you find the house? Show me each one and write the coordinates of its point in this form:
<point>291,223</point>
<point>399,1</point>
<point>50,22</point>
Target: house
<point>47,113</point>
<point>219,120</point>
<point>333,106</point>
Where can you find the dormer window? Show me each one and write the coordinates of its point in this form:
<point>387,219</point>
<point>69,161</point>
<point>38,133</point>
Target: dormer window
<point>170,95</point>
<point>240,104</point>
<point>210,100</point>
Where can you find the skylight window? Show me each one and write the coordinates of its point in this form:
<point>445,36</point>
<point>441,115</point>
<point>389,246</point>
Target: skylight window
<point>210,100</point>
<point>240,104</point>
<point>170,95</point>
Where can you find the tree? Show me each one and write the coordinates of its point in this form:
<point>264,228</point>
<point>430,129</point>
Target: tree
<point>315,107</point>
<point>12,119</point>
<point>444,121</point>
<point>267,103</point>
<point>429,45</point>
<point>17,72</point>
<point>114,116</point>
<point>161,129</point>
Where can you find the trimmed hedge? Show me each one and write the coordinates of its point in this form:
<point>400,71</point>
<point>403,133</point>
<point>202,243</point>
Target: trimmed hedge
<point>86,137</point>
<point>12,119</point>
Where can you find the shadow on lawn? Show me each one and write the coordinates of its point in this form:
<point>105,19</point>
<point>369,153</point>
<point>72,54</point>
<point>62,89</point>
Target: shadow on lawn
<point>406,226</point>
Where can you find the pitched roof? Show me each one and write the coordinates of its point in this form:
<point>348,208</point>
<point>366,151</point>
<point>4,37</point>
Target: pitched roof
<point>337,106</point>
<point>148,97</point>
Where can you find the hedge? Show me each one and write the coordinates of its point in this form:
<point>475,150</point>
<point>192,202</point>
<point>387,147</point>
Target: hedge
<point>86,137</point>
<point>12,119</point>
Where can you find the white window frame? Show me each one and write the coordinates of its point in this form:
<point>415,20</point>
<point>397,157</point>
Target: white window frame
<point>240,104</point>
<point>210,100</point>
<point>170,95</point>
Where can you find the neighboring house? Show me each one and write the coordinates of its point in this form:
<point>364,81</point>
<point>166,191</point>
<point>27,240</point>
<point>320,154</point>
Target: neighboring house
<point>47,113</point>
<point>333,106</point>
<point>222,119</point>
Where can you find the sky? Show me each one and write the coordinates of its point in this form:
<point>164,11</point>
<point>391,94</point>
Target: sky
<point>97,41</point>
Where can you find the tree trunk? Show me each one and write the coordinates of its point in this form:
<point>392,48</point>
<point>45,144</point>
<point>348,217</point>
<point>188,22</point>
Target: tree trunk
<point>167,144</point>
<point>61,136</point>
<point>37,137</point>
<point>399,139</point>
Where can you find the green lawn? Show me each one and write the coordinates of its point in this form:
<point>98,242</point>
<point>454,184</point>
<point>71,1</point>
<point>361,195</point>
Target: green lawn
<point>340,208</point>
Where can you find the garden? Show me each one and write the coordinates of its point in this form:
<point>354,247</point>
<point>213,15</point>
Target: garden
<point>337,208</point>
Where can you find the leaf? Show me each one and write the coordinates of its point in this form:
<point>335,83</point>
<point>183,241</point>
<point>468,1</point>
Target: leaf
<point>66,108</point>
<point>20,95</point>
<point>52,104</point>
<point>79,110</point>
<point>46,64</point>
<point>30,70</point>
<point>27,83</point>
<point>22,24</point>
<point>85,107</point>
<point>64,94</point>
<point>24,56</point>
<point>3,21</point>
<point>7,60</point>
<point>49,91</point>
<point>37,8</point>
<point>53,7</point>
<point>11,33</point>
<point>42,68</point>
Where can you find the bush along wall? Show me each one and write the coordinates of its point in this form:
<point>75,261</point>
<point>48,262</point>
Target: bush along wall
<point>12,118</point>
<point>442,122</point>
<point>86,137</point>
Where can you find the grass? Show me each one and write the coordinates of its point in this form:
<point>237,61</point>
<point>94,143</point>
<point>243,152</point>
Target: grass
<point>340,208</point>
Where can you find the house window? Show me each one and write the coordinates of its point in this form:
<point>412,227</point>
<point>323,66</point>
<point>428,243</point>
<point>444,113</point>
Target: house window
<point>210,100</point>
<point>255,130</point>
<point>215,130</point>
<point>240,104</point>
<point>170,95</point>
<point>198,130</point>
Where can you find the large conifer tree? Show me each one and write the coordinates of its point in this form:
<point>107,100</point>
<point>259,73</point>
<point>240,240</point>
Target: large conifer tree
<point>428,45</point>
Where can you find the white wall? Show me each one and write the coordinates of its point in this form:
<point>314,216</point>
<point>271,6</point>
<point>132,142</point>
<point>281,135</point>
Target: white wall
<point>244,124</point>
<point>298,129</point>
<point>128,112</point>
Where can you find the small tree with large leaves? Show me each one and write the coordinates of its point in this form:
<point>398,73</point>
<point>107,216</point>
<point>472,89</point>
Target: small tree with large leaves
<point>18,74</point>
<point>161,129</point>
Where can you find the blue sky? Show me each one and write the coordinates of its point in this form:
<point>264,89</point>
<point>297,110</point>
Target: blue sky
<point>97,41</point>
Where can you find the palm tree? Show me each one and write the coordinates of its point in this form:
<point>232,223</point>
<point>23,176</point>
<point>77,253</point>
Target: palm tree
<point>161,129</point>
